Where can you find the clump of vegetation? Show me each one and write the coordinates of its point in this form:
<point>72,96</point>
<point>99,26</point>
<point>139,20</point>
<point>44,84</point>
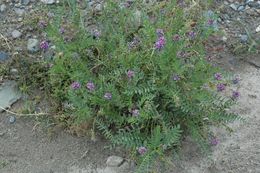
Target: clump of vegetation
<point>140,76</point>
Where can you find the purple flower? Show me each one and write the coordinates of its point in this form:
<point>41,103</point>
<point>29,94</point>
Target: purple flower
<point>42,24</point>
<point>62,30</point>
<point>218,76</point>
<point>209,58</point>
<point>210,22</point>
<point>75,85</point>
<point>96,33</point>
<point>236,80</point>
<point>50,65</point>
<point>44,45</point>
<point>134,43</point>
<point>181,54</point>
<point>160,43</point>
<point>235,94</point>
<point>108,96</point>
<point>130,74</point>
<point>221,87</point>
<point>142,150</point>
<point>135,112</point>
<point>160,33</point>
<point>214,141</point>
<point>90,86</point>
<point>176,77</point>
<point>192,34</point>
<point>176,37</point>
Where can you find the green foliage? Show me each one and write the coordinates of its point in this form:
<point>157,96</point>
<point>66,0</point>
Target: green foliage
<point>134,93</point>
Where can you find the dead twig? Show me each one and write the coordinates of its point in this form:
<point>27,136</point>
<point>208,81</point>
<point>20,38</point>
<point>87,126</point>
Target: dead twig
<point>6,41</point>
<point>23,115</point>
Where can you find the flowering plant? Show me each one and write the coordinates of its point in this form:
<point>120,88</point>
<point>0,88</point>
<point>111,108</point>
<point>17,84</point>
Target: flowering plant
<point>144,81</point>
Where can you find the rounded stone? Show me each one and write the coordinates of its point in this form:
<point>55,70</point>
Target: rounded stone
<point>2,8</point>
<point>114,161</point>
<point>33,45</point>
<point>16,34</point>
<point>12,119</point>
<point>244,38</point>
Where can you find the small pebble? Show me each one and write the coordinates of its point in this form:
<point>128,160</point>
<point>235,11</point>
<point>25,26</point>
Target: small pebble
<point>257,29</point>
<point>244,38</point>
<point>3,56</point>
<point>16,34</point>
<point>241,8</point>
<point>2,8</point>
<point>12,119</point>
<point>49,2</point>
<point>233,6</point>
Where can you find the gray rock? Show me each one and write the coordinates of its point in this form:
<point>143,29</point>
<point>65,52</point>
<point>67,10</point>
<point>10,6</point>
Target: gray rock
<point>33,45</point>
<point>3,56</point>
<point>124,168</point>
<point>244,38</point>
<point>114,161</point>
<point>25,2</point>
<point>241,8</point>
<point>98,8</point>
<point>14,71</point>
<point>2,133</point>
<point>49,2</point>
<point>9,94</point>
<point>233,6</point>
<point>107,170</point>
<point>16,34</point>
<point>12,119</point>
<point>2,8</point>
<point>19,11</point>
<point>248,1</point>
<point>257,28</point>
<point>254,4</point>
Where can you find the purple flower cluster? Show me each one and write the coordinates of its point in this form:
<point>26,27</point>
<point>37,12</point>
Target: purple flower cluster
<point>181,54</point>
<point>236,80</point>
<point>218,76</point>
<point>209,58</point>
<point>214,141</point>
<point>210,22</point>
<point>192,34</point>
<point>176,77</point>
<point>96,33</point>
<point>221,87</point>
<point>108,96</point>
<point>235,94</point>
<point>75,85</point>
<point>134,43</point>
<point>130,74</point>
<point>142,150</point>
<point>135,112</point>
<point>42,24</point>
<point>90,86</point>
<point>159,33</point>
<point>44,45</point>
<point>62,30</point>
<point>176,37</point>
<point>160,43</point>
